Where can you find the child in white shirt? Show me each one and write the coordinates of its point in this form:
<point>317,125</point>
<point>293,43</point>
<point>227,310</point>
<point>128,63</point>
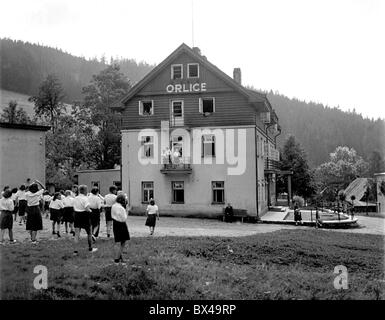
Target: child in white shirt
<point>55,209</point>
<point>121,234</point>
<point>6,207</point>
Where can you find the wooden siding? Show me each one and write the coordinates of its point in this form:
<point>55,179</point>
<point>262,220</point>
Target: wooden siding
<point>159,83</point>
<point>230,109</point>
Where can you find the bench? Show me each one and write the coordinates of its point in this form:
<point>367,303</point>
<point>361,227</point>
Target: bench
<point>238,214</point>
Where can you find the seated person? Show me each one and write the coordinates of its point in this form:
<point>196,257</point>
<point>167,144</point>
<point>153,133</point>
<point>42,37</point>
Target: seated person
<point>229,213</point>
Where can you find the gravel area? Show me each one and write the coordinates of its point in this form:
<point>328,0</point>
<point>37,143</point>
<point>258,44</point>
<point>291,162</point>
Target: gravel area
<point>191,227</point>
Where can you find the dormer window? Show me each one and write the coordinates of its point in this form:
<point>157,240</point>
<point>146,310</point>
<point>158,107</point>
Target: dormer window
<point>193,70</point>
<point>176,71</point>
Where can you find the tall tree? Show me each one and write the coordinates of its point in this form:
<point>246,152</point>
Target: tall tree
<point>105,89</point>
<point>293,158</point>
<point>49,100</point>
<point>344,166</point>
<point>69,149</point>
<point>13,115</point>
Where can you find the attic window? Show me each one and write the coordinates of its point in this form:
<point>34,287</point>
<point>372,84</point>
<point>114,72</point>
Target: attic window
<point>176,71</point>
<point>146,108</point>
<point>206,105</point>
<point>193,70</point>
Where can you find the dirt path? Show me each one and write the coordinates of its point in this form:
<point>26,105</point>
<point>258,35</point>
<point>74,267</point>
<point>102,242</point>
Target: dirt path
<point>172,226</point>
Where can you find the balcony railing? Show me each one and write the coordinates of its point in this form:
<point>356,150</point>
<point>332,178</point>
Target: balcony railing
<point>176,165</point>
<point>271,165</point>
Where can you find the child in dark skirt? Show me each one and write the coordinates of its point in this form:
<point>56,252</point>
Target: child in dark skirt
<point>55,209</point>
<point>68,212</point>
<point>22,203</point>
<point>6,219</point>
<point>15,203</point>
<point>46,199</point>
<point>109,200</point>
<point>152,212</point>
<point>34,219</point>
<point>82,219</point>
<point>297,215</point>
<point>96,203</point>
<point>119,226</point>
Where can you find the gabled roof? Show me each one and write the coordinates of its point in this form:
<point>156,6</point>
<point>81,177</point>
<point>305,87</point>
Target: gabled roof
<point>251,95</point>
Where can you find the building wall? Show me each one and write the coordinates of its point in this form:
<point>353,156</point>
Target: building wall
<point>240,190</point>
<point>22,156</point>
<point>106,178</point>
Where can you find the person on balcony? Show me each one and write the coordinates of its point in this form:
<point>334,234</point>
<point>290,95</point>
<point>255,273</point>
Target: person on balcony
<point>176,156</point>
<point>167,155</point>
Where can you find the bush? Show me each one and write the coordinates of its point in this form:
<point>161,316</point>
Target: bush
<point>299,201</point>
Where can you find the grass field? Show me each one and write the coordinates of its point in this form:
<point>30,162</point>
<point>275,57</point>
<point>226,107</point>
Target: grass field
<point>287,264</point>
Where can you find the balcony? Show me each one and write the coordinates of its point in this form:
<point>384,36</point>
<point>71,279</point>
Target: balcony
<point>176,165</point>
<point>271,166</point>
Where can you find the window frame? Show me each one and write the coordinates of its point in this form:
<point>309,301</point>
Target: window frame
<point>173,73</point>
<point>143,189</point>
<point>212,143</point>
<point>188,70</point>
<point>173,194</point>
<point>216,189</point>
<point>201,105</point>
<point>150,143</point>
<point>141,108</point>
<point>182,107</point>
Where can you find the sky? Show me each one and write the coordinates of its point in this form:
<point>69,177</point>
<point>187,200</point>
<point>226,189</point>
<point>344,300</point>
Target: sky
<point>332,52</point>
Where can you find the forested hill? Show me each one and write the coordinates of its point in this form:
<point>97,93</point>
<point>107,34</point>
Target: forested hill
<point>318,128</point>
<point>24,66</point>
<point>321,129</point>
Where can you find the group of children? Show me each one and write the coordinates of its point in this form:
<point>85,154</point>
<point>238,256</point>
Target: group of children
<point>76,209</point>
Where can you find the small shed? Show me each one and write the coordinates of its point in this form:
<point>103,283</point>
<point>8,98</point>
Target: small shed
<point>103,179</point>
<point>357,188</point>
<point>22,153</point>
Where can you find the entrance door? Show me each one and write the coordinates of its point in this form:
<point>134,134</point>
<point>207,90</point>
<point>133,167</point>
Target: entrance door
<point>177,114</point>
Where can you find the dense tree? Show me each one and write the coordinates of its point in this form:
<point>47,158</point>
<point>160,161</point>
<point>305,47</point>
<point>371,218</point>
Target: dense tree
<point>376,163</point>
<point>13,115</point>
<point>69,149</point>
<point>321,129</point>
<point>105,89</point>
<point>49,101</point>
<point>343,167</point>
<point>293,158</point>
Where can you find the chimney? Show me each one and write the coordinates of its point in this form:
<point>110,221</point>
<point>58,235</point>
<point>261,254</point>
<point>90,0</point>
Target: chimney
<point>197,50</point>
<point>237,75</point>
